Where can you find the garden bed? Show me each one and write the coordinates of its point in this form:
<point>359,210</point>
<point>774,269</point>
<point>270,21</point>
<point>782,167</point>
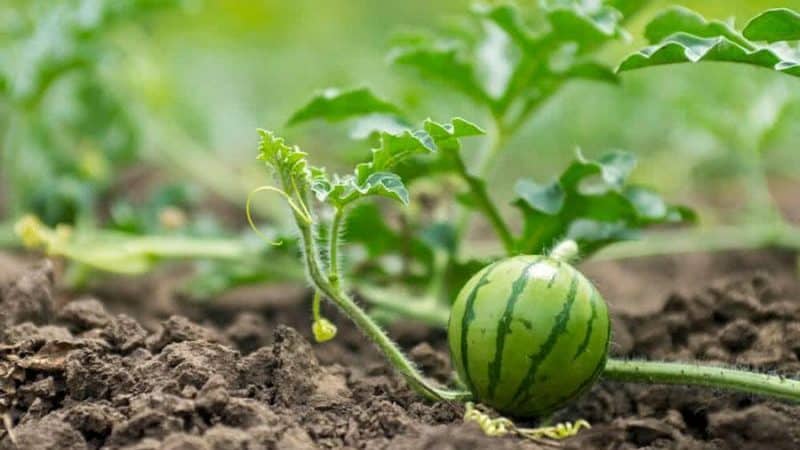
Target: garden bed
<point>76,372</point>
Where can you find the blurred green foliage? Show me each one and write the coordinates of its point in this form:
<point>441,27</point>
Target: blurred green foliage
<point>113,113</point>
<point>215,70</point>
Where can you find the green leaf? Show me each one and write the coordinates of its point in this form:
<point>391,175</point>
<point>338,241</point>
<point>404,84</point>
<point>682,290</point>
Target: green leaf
<point>508,18</point>
<point>774,25</point>
<point>443,62</point>
<point>683,36</point>
<point>584,22</point>
<point>683,20</point>
<point>344,190</point>
<point>547,198</point>
<point>449,133</point>
<point>376,177</point>
<point>485,66</point>
<point>335,105</point>
<point>290,162</point>
<point>592,203</point>
<point>367,225</point>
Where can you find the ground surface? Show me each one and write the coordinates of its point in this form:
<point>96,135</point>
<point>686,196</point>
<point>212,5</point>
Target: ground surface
<point>132,367</point>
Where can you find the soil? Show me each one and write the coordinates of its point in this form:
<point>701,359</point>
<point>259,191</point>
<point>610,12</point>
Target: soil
<point>134,367</point>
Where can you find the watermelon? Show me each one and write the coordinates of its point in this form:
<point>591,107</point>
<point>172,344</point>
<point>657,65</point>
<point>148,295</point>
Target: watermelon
<point>529,334</point>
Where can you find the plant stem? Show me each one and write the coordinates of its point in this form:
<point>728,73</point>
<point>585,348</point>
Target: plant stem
<point>495,140</point>
<point>657,372</point>
<point>396,357</point>
<point>483,203</point>
<point>315,306</point>
<point>333,251</point>
<point>722,238</point>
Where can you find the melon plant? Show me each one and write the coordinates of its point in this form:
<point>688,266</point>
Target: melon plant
<point>528,334</point>
<point>507,64</point>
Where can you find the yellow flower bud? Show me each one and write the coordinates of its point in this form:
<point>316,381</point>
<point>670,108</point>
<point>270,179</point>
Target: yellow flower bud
<point>323,330</point>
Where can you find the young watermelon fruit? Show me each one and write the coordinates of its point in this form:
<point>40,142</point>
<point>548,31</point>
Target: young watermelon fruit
<point>528,335</point>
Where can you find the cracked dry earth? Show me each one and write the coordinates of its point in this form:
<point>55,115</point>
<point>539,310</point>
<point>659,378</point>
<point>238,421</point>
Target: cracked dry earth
<point>75,376</point>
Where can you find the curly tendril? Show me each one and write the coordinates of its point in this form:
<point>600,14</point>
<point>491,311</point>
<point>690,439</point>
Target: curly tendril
<point>301,212</point>
<point>501,426</point>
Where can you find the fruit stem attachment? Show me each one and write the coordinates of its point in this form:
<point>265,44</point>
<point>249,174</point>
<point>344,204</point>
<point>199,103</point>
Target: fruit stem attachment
<point>658,372</point>
<point>566,251</point>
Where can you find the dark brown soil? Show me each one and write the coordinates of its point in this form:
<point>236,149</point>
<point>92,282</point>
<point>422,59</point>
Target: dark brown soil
<point>76,373</point>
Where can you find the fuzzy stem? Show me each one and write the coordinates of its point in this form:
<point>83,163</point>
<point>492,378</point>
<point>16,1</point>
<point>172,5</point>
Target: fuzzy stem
<point>396,357</point>
<point>315,306</point>
<point>333,251</point>
<point>657,372</point>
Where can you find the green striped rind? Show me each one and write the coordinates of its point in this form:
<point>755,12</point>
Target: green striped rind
<point>468,317</point>
<point>528,334</point>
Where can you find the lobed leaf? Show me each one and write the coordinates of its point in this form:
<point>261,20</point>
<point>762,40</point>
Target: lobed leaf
<point>774,25</point>
<point>336,105</point>
<point>290,163</point>
<point>584,22</point>
<point>545,56</point>
<point>683,36</point>
<point>375,177</point>
<point>592,203</point>
<point>683,20</point>
<point>443,62</point>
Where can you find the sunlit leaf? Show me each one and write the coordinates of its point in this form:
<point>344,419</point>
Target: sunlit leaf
<point>376,177</point>
<point>493,73</point>
<point>592,203</point>
<point>683,20</point>
<point>584,22</point>
<point>336,105</point>
<point>774,25</point>
<point>683,36</point>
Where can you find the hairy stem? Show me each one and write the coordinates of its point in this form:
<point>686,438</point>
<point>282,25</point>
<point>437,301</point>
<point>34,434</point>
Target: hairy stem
<point>315,306</point>
<point>396,357</point>
<point>742,381</point>
<point>333,249</point>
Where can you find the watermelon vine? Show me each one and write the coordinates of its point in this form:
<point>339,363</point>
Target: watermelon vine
<point>528,334</point>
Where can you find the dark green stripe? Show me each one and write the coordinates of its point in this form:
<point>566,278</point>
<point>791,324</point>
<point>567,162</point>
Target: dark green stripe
<point>589,326</point>
<point>558,329</point>
<point>466,320</point>
<point>505,324</point>
<point>586,383</point>
<point>601,364</point>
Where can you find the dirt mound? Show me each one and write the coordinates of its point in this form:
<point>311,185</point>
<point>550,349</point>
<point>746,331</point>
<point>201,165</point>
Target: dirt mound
<point>81,377</point>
